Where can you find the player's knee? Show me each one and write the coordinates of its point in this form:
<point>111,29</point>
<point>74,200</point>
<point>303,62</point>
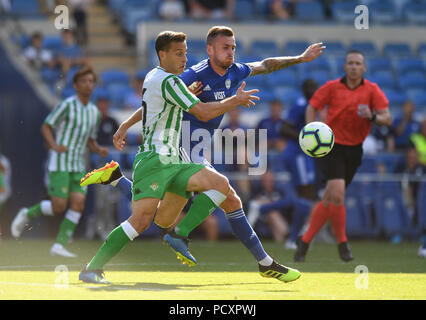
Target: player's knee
<point>337,197</point>
<point>221,184</point>
<point>141,221</point>
<point>58,207</point>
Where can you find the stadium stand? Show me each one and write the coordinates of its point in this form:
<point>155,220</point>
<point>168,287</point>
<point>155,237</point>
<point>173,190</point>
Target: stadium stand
<point>398,67</point>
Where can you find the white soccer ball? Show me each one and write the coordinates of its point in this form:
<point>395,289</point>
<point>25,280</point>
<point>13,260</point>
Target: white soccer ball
<point>316,139</point>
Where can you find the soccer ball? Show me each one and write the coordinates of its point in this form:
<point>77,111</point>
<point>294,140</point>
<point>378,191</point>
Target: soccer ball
<point>316,139</point>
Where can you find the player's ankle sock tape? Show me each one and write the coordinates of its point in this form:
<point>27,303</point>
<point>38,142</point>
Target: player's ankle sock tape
<point>129,230</point>
<point>46,207</point>
<point>215,196</point>
<point>73,216</point>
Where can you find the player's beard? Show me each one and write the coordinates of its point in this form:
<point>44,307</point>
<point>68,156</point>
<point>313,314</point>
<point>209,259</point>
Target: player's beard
<point>224,64</point>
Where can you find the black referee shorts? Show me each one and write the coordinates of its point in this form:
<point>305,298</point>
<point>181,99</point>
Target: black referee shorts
<point>341,163</point>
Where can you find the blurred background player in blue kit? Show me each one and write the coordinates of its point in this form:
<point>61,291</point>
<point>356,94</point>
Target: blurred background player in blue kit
<point>300,165</point>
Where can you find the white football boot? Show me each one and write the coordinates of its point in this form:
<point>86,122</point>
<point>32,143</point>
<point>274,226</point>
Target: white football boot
<point>18,224</point>
<point>59,250</point>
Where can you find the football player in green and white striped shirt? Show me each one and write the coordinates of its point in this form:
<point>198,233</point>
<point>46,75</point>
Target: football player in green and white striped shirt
<point>75,122</point>
<point>157,170</point>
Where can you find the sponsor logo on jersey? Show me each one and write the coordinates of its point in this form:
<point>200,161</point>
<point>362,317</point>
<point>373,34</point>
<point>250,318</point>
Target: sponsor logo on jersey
<point>219,95</point>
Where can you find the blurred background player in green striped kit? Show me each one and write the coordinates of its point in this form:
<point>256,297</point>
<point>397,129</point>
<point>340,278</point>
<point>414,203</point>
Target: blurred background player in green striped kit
<point>68,130</point>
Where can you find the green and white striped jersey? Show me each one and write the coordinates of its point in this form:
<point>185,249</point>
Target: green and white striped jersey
<point>165,97</point>
<point>74,123</point>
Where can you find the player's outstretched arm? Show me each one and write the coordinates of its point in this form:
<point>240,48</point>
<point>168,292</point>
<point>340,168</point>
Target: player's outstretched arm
<point>210,110</point>
<point>121,133</point>
<point>269,65</point>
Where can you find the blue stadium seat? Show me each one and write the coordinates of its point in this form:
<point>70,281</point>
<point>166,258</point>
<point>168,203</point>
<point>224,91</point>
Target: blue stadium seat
<point>421,206</point>
<point>319,64</point>
<point>113,76</point>
<point>368,48</point>
<point>52,43</point>
<point>295,47</point>
<point>375,64</point>
<point>335,48</point>
<point>26,8</point>
<point>344,11</point>
<point>391,214</point>
<point>312,11</point>
<point>414,12</point>
<point>320,76</point>
<point>358,219</point>
<point>289,96</point>
<point>244,10</point>
<point>421,50</point>
<point>412,80</point>
<point>132,14</point>
<point>396,97</point>
<point>368,165</point>
<point>405,65</point>
<point>264,48</point>
<point>419,100</point>
<point>382,12</point>
<point>117,93</point>
<point>196,46</point>
<point>286,77</point>
<point>397,50</point>
<point>383,78</point>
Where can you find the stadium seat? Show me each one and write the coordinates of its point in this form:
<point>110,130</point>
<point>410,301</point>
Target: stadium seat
<point>421,51</point>
<point>412,80</point>
<point>196,46</point>
<point>264,48</point>
<point>320,76</point>
<point>368,165</point>
<point>421,206</point>
<point>295,47</point>
<point>133,14</point>
<point>344,11</point>
<point>375,64</point>
<point>114,76</point>
<point>26,8</point>
<point>312,11</point>
<point>52,43</point>
<point>368,48</point>
<point>382,12</point>
<point>286,77</point>
<point>319,64</point>
<point>244,10</point>
<point>419,100</point>
<point>397,50</point>
<point>358,220</point>
<point>335,48</point>
<point>405,65</point>
<point>414,12</point>
<point>396,97</point>
<point>383,78</point>
<point>288,96</point>
<point>391,214</point>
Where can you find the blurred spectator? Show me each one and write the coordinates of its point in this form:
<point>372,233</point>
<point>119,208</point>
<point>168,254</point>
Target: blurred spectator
<point>280,9</point>
<point>70,54</point>
<point>5,182</point>
<point>171,10</point>
<point>133,100</point>
<point>404,125</point>
<point>237,135</point>
<point>419,142</point>
<point>412,171</point>
<point>273,124</point>
<point>279,208</point>
<point>36,55</point>
<point>383,137</point>
<point>79,9</point>
<point>108,125</point>
<point>211,9</point>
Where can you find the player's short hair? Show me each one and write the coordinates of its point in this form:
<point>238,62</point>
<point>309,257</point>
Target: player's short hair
<point>356,52</point>
<point>82,72</point>
<point>165,38</point>
<point>219,31</point>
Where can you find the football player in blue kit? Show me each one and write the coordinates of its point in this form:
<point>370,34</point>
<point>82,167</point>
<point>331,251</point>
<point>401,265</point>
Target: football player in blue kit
<point>212,79</point>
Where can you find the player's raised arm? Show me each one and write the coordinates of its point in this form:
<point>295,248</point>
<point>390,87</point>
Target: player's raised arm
<point>311,114</point>
<point>210,110</point>
<point>269,65</point>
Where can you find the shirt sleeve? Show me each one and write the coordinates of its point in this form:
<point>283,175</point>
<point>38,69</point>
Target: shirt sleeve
<point>321,97</point>
<point>176,92</point>
<point>379,100</point>
<point>188,77</point>
<point>243,70</point>
<point>58,113</point>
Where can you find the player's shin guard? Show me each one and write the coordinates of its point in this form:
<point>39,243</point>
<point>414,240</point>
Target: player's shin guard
<point>117,239</point>
<point>204,204</point>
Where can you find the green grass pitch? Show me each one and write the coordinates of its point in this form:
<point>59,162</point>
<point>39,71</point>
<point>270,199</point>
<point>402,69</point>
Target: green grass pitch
<point>148,270</point>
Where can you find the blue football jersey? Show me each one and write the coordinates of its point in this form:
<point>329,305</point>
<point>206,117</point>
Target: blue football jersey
<point>296,116</point>
<point>215,88</point>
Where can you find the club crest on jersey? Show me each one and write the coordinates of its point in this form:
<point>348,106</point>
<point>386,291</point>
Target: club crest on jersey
<point>228,83</point>
<point>154,186</point>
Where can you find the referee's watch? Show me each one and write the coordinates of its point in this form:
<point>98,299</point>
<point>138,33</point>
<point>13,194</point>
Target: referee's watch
<point>373,118</point>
